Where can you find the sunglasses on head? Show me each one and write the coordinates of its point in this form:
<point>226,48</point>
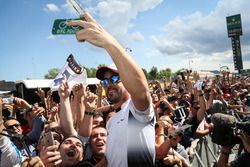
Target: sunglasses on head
<point>11,127</point>
<point>113,79</point>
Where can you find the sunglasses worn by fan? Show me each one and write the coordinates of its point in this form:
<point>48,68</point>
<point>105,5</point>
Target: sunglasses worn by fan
<point>113,79</point>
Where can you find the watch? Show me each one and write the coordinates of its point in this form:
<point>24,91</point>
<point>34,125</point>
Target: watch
<point>90,112</point>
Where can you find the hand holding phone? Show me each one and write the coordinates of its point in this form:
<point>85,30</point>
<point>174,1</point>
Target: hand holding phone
<point>48,139</point>
<point>60,27</point>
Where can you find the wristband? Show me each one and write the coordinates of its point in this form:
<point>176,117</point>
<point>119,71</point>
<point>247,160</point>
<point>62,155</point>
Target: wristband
<point>90,112</point>
<point>30,109</point>
<point>111,108</point>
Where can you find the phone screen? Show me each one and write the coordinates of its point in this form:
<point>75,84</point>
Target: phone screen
<point>8,100</point>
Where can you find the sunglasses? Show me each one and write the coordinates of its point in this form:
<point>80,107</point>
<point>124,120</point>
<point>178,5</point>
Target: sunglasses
<point>113,79</point>
<point>11,127</point>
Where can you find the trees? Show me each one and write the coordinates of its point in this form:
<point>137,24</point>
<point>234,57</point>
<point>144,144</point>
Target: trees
<point>91,72</point>
<point>153,74</point>
<point>52,73</point>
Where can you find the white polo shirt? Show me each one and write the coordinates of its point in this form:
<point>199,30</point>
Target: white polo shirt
<point>131,137</point>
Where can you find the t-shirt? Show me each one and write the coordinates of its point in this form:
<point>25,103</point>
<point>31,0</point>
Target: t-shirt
<point>9,154</point>
<point>131,137</point>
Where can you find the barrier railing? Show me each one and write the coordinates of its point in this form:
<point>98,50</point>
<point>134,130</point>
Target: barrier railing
<point>206,153</point>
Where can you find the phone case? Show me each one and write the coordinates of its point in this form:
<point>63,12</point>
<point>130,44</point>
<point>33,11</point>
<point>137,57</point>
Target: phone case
<point>48,139</point>
<point>60,27</point>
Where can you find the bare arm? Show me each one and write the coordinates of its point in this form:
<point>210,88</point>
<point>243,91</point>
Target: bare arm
<point>78,104</point>
<point>85,127</point>
<point>99,93</point>
<point>66,118</point>
<point>202,110</point>
<point>224,156</point>
<point>168,104</point>
<point>211,99</point>
<point>162,145</point>
<point>184,162</point>
<point>130,73</point>
<point>189,83</point>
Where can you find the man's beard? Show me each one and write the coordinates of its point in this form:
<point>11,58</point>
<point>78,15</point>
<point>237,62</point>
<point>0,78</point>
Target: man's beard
<point>115,97</point>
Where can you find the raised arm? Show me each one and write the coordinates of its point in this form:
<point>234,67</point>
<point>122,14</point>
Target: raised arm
<point>130,73</point>
<point>85,126</point>
<point>202,101</point>
<point>10,156</point>
<point>66,118</point>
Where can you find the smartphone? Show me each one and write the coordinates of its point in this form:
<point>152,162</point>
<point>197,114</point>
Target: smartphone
<point>8,100</point>
<point>48,139</point>
<point>60,27</point>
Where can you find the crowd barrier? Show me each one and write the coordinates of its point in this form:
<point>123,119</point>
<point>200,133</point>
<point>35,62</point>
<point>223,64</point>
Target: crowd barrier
<point>206,153</point>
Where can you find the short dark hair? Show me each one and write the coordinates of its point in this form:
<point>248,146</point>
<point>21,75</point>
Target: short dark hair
<point>70,137</point>
<point>9,118</point>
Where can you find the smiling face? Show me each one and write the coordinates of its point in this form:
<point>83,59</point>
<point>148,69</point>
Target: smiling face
<point>71,151</point>
<point>98,141</point>
<point>114,92</point>
<point>155,98</point>
<point>13,125</point>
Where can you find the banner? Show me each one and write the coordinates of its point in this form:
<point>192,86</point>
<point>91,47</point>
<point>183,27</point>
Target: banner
<point>74,73</point>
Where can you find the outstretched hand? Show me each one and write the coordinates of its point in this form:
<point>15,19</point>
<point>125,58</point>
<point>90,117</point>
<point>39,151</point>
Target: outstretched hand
<point>245,140</point>
<point>89,100</point>
<point>40,93</point>
<point>92,32</point>
<point>33,162</point>
<point>64,89</point>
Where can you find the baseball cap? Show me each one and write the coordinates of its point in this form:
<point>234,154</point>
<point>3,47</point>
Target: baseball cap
<point>103,69</point>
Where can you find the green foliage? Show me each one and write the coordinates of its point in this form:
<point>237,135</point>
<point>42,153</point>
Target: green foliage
<point>153,74</point>
<point>165,73</point>
<point>52,73</point>
<point>91,72</point>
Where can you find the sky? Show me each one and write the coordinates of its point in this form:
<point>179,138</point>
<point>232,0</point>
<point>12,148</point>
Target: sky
<point>171,34</point>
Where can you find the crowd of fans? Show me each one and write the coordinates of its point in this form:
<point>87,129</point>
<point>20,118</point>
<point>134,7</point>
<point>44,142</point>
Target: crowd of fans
<point>77,131</point>
<point>182,108</point>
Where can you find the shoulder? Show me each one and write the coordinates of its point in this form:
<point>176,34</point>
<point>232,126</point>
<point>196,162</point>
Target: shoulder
<point>142,116</point>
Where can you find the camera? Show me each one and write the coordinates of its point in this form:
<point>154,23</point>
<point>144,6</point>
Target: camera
<point>180,115</point>
<point>226,129</point>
